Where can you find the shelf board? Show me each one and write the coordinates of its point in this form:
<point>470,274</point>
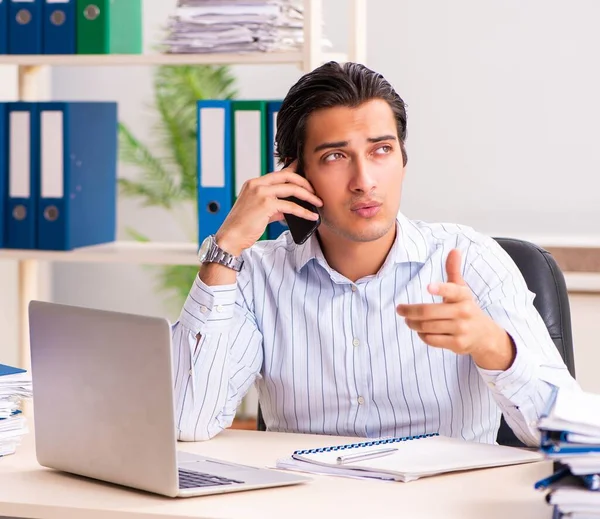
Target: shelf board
<point>582,282</point>
<point>250,58</point>
<point>148,253</point>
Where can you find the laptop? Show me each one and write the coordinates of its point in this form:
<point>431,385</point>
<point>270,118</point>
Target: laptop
<point>104,407</point>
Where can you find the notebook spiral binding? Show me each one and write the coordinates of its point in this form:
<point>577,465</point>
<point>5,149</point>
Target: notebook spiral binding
<point>372,443</point>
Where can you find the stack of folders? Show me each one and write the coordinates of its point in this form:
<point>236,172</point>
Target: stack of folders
<point>405,458</point>
<point>57,174</point>
<point>570,435</point>
<point>236,26</point>
<point>70,26</point>
<point>15,386</point>
<point>236,142</point>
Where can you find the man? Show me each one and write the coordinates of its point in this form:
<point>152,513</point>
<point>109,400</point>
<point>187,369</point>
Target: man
<point>377,325</point>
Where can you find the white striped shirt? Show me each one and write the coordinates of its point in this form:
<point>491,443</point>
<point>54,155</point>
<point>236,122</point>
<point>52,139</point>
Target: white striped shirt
<point>331,356</point>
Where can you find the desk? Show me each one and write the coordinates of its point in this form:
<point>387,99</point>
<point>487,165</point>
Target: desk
<point>28,490</point>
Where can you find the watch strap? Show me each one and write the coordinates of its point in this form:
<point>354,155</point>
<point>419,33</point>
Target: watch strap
<point>218,255</point>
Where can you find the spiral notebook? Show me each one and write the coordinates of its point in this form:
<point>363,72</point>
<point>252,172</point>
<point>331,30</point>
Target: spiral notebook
<point>413,457</point>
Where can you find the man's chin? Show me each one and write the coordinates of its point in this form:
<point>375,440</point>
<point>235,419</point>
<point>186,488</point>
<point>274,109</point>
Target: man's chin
<point>364,231</point>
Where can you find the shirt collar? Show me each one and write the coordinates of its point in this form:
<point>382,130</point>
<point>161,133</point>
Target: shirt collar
<point>410,246</point>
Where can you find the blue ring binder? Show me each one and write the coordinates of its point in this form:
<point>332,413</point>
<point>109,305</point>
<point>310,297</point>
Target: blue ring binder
<point>365,444</point>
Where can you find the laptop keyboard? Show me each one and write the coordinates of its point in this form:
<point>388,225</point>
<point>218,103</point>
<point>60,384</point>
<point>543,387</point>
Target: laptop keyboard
<point>190,479</point>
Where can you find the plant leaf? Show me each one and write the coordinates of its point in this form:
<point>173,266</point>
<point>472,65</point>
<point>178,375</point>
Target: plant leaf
<point>137,236</point>
<point>157,185</point>
<point>150,196</point>
<point>176,280</point>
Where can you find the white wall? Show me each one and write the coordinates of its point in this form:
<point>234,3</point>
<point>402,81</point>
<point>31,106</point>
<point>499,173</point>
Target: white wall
<point>503,109</point>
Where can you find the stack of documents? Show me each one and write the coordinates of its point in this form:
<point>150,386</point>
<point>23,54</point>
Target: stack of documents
<point>15,385</point>
<point>405,458</point>
<point>570,435</point>
<point>202,26</point>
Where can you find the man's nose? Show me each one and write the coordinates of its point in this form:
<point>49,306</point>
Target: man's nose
<point>362,180</point>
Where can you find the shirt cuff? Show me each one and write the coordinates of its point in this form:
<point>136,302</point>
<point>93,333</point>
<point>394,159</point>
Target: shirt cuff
<point>510,382</point>
<point>208,307</point>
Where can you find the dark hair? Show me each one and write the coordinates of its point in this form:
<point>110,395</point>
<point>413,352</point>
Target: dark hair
<point>330,85</point>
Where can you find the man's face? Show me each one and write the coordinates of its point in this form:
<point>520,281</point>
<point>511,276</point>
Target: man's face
<point>353,159</point>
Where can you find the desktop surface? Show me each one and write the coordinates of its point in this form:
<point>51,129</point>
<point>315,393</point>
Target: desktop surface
<point>29,490</point>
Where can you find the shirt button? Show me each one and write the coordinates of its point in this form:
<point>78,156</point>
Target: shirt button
<point>360,400</point>
<point>203,309</point>
<point>492,385</point>
<point>353,288</point>
<point>219,308</point>
<point>191,372</point>
<point>355,342</point>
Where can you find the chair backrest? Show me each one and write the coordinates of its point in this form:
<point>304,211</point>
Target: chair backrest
<point>545,279</point>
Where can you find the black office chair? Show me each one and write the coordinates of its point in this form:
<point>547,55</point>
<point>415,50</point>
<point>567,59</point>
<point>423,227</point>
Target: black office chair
<point>545,279</point>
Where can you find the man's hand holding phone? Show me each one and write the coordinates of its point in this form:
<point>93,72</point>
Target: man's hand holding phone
<point>262,201</point>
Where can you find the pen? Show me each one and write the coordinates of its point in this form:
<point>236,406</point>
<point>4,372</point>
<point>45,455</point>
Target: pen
<point>364,456</point>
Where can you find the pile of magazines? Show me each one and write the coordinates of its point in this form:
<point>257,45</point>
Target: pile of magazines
<point>204,26</point>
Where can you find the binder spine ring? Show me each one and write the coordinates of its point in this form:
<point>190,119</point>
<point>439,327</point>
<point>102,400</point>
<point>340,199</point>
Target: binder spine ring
<point>91,12</point>
<point>382,441</point>
<point>51,213</point>
<point>23,17</point>
<point>58,18</point>
<point>213,207</point>
<point>19,212</point>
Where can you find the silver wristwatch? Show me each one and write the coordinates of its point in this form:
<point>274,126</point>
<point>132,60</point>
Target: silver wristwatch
<point>210,252</point>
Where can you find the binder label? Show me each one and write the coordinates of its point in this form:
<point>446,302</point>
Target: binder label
<point>20,159</point>
<point>247,147</point>
<point>52,156</point>
<point>212,150</point>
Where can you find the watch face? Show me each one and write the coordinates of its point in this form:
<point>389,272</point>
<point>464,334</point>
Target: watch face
<point>204,248</point>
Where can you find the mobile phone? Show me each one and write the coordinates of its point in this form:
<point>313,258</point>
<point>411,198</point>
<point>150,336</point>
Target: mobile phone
<point>301,229</point>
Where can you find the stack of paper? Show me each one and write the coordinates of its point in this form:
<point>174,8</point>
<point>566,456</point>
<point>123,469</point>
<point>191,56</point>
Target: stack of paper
<point>570,435</point>
<point>200,26</point>
<point>15,385</point>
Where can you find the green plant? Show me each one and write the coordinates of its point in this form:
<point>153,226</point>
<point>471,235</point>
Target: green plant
<point>167,166</point>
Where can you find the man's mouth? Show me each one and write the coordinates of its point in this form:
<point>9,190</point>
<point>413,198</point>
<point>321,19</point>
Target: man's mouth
<point>366,209</point>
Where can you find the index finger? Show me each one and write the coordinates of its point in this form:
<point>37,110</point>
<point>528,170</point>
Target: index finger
<point>288,176</point>
<point>451,292</point>
<point>426,311</point>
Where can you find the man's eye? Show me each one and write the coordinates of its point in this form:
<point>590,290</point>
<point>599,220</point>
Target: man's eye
<point>333,156</point>
<point>383,150</point>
